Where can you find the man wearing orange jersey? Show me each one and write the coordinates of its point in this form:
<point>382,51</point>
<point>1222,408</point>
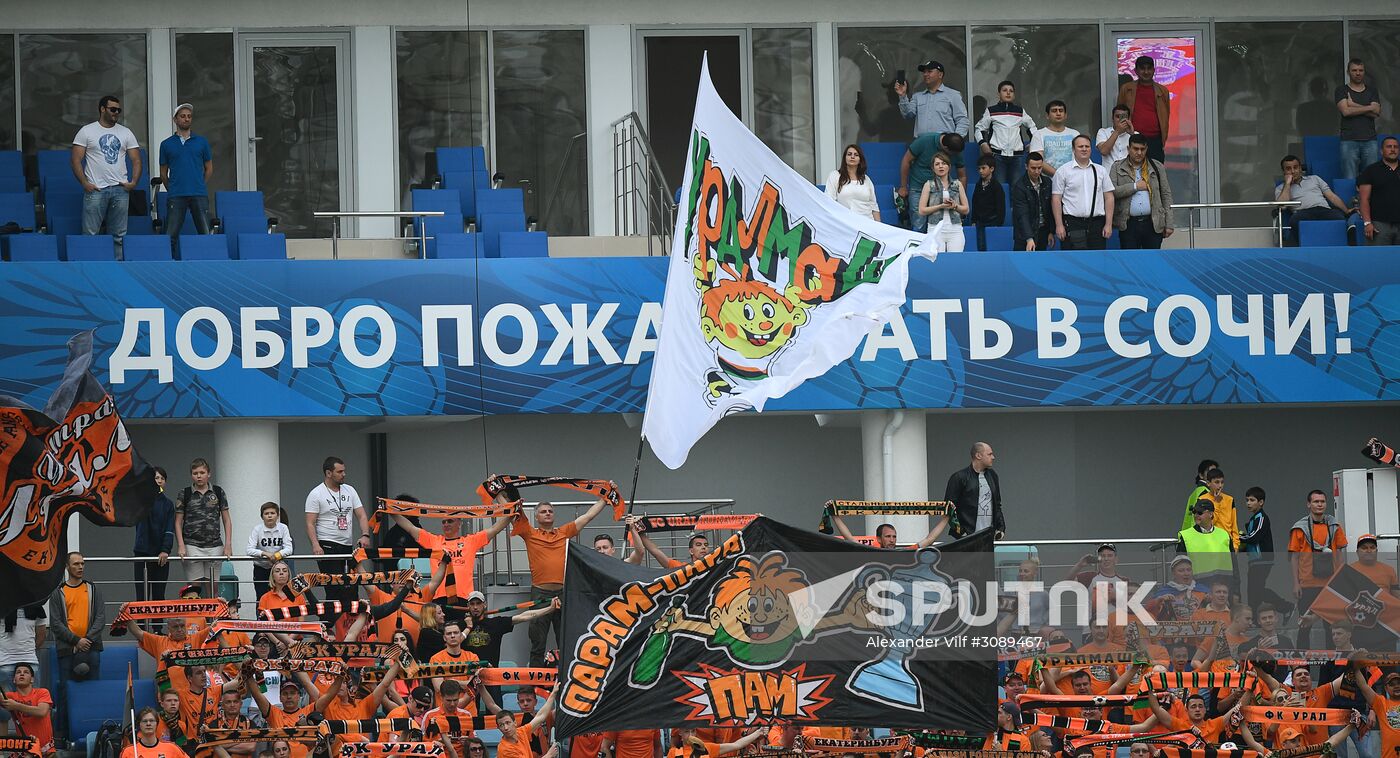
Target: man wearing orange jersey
<point>545,545</point>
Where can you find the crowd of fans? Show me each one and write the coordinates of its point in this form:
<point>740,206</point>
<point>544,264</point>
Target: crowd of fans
<point>1214,614</point>
<point>1071,190</point>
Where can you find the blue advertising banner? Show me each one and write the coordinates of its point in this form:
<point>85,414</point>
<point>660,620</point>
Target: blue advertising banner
<point>408,338</point>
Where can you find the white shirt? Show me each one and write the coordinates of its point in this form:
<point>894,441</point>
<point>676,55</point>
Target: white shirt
<point>1075,186</point>
<point>105,163</point>
<point>275,540</point>
<point>334,512</point>
<point>1120,148</point>
<point>858,197</point>
<point>18,646</point>
<point>984,503</point>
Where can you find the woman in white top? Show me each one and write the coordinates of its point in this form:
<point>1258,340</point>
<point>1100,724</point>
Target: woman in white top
<point>944,199</point>
<point>850,186</point>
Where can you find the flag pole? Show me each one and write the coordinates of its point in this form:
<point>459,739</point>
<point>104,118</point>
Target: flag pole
<point>636,472</point>
<point>131,705</point>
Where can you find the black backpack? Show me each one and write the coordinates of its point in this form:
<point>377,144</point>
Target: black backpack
<point>109,741</point>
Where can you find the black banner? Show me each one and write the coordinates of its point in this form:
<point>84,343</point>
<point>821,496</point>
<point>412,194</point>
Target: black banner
<point>781,624</point>
<point>74,456</point>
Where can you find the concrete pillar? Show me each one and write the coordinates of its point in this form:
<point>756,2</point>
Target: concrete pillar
<point>908,472</point>
<point>825,94</point>
<point>247,465</point>
<point>610,97</point>
<point>374,172</point>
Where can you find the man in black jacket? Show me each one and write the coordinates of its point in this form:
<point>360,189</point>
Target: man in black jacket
<point>975,493</point>
<point>1031,219</point>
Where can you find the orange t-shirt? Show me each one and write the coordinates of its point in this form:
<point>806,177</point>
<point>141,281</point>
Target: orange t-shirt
<point>1298,543</point>
<point>272,600</point>
<point>339,710</point>
<point>1320,696</point>
<point>634,743</point>
<point>399,619</point>
<point>586,745</point>
<point>157,645</point>
<point>462,550</point>
<point>1388,719</point>
<point>38,727</point>
<point>826,732</point>
<point>545,549</point>
<point>280,719</point>
<point>161,750</point>
<point>1101,675</point>
<point>689,751</point>
<point>195,709</point>
<point>517,748</point>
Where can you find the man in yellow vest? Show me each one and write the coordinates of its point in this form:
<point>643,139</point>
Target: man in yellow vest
<point>1207,544</point>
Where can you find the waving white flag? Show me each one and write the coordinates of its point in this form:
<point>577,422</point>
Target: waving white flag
<point>771,283</point>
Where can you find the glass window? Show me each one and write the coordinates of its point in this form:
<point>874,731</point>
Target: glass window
<point>442,97</point>
<point>1377,44</point>
<point>541,95</point>
<point>64,75</point>
<point>1274,84</point>
<point>204,79</point>
<point>869,57</point>
<point>782,95</point>
<point>7,93</point>
<point>1052,62</point>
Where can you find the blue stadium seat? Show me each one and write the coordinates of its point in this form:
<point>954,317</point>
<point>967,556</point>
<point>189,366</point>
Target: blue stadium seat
<point>970,239</point>
<point>62,227</point>
<point>32,247</point>
<point>999,238</point>
<point>13,183</point>
<point>1323,155</point>
<point>1344,188</point>
<point>454,159</point>
<point>245,203</point>
<point>462,182</point>
<point>451,223</point>
<point>64,203</point>
<point>448,200</point>
<point>144,247</point>
<point>1322,233</point>
<point>104,700</point>
<point>490,226</point>
<point>455,245</point>
<point>262,247</point>
<point>506,200</point>
<point>88,247</point>
<point>203,247</point>
<point>144,183</point>
<point>882,161</point>
<point>884,198</point>
<point>11,163</point>
<point>116,657</point>
<point>1113,243</point>
<point>237,227</point>
<point>524,245</point>
<point>17,207</point>
<point>55,164</point>
<point>140,225</point>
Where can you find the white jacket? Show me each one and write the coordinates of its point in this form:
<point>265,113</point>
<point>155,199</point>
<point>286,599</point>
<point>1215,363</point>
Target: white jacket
<point>263,540</point>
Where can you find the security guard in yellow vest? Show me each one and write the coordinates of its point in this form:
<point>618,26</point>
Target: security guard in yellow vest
<point>1208,545</point>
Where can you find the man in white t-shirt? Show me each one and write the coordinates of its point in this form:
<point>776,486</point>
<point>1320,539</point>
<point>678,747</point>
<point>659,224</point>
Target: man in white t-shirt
<point>1055,141</point>
<point>329,508</point>
<point>100,153</point>
<point>1112,141</point>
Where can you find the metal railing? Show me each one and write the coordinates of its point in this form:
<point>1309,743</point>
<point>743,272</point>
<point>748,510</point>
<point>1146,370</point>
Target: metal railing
<point>642,202</point>
<point>553,195</point>
<point>1191,209</point>
<point>336,216</point>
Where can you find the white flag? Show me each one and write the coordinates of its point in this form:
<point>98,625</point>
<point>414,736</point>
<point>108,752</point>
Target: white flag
<point>771,283</point>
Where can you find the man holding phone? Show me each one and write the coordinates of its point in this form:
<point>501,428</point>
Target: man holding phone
<point>938,108</point>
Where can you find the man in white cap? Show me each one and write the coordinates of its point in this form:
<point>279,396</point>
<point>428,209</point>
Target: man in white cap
<point>483,633</point>
<point>186,163</point>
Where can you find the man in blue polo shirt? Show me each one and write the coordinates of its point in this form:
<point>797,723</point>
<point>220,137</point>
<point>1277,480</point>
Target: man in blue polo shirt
<point>185,167</point>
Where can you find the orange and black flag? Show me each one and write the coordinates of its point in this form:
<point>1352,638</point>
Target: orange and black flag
<point>75,456</point>
<point>1373,611</point>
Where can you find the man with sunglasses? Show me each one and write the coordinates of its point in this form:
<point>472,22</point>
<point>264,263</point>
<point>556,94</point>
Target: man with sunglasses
<point>100,154</point>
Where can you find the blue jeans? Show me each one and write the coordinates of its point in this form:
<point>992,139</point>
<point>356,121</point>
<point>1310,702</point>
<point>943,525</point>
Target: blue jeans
<point>1008,168</point>
<point>197,205</point>
<point>63,676</point>
<point>106,209</point>
<point>1356,155</point>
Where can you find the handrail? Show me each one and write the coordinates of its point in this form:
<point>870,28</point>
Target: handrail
<point>559,180</point>
<point>335,217</point>
<point>628,133</point>
<point>1191,209</point>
